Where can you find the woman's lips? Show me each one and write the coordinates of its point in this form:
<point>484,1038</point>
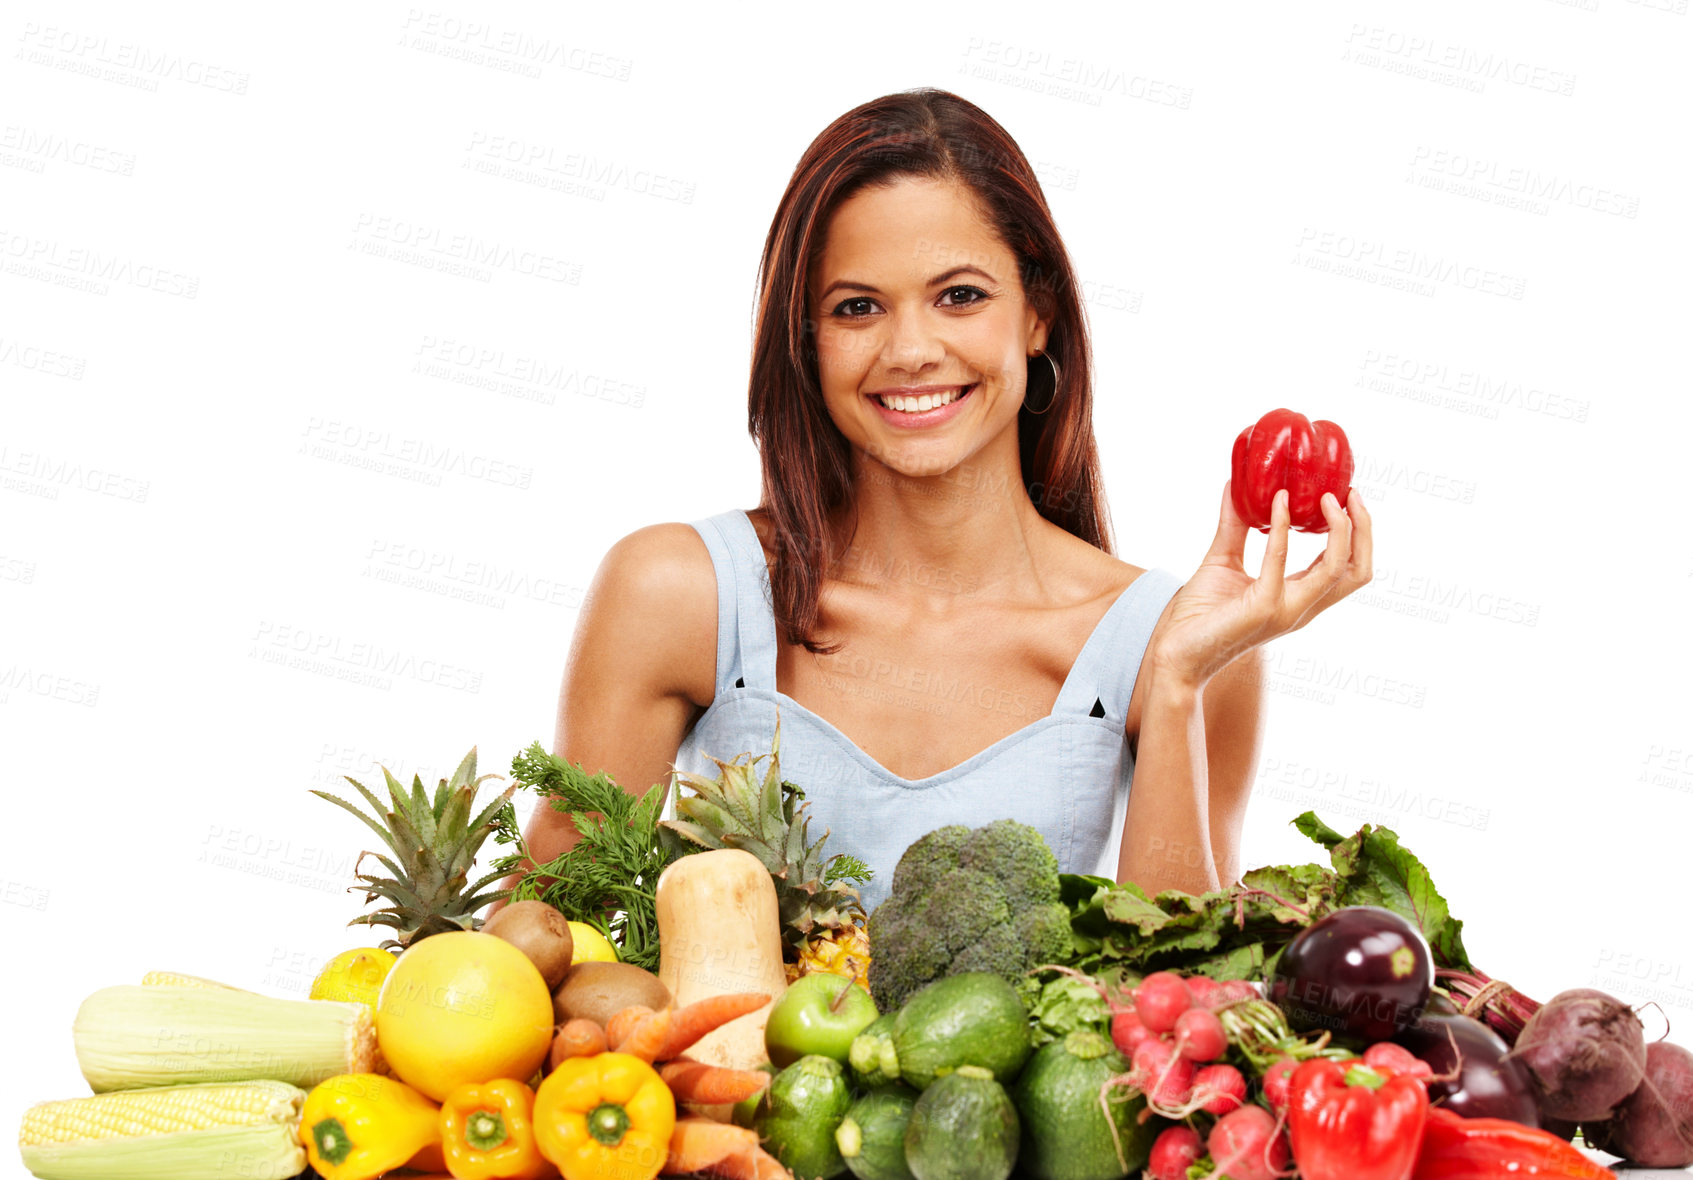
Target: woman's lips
<point>915,418</point>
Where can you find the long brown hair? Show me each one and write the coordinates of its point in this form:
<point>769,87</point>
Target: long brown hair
<point>806,461</point>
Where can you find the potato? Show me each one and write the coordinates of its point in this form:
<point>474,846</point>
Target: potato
<point>598,991</point>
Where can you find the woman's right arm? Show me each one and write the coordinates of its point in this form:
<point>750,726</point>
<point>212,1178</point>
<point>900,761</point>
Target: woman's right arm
<point>642,666</point>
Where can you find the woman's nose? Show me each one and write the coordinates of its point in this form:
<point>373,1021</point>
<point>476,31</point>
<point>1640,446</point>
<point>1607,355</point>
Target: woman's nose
<point>912,341</point>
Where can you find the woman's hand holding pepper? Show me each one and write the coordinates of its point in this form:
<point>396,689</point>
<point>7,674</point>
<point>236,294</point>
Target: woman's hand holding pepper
<point>1222,611</point>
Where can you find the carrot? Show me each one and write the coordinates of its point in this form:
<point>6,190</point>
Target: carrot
<point>576,1038</point>
<point>703,1016</point>
<point>706,1085</point>
<point>756,1164</point>
<point>624,1022</point>
<point>697,1144</point>
<point>647,1037</point>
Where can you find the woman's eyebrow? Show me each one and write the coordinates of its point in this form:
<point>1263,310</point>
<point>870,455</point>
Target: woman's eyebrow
<point>940,278</point>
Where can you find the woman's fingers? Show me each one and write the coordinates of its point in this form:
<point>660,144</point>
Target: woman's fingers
<point>1363,540</point>
<point>1272,573</point>
<point>1230,542</point>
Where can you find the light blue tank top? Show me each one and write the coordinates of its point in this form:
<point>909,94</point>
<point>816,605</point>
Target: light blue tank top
<point>1067,774</point>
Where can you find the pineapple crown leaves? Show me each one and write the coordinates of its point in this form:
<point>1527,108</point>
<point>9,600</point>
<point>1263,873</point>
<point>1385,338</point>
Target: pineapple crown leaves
<point>438,839</point>
<point>766,817</point>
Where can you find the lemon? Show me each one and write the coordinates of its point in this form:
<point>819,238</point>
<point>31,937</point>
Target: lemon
<point>589,945</point>
<point>463,1007</point>
<point>355,975</point>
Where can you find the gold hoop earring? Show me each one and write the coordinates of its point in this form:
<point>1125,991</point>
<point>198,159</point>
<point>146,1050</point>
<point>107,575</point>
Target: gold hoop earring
<point>1052,395</point>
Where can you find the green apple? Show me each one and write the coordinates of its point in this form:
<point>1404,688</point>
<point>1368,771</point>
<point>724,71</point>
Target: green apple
<point>819,1013</point>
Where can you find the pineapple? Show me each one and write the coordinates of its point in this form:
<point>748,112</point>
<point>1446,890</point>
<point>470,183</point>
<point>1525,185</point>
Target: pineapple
<point>435,842</point>
<point>821,913</point>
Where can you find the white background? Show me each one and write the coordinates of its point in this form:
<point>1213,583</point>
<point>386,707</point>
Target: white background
<point>1460,230</point>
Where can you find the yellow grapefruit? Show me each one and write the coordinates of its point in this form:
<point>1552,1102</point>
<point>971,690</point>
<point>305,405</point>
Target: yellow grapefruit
<point>463,1007</point>
<point>589,945</point>
<point>355,975</point>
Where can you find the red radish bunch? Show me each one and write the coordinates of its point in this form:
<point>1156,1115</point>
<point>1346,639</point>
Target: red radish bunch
<point>1170,1033</point>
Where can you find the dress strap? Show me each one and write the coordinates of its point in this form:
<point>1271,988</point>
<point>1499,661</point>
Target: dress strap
<point>746,625</point>
<point>1102,680</point>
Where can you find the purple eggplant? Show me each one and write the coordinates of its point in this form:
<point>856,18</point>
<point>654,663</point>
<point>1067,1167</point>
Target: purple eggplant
<point>1363,973</point>
<point>1473,1076</point>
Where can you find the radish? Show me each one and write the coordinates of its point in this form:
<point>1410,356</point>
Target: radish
<point>1387,1055</point>
<point>1160,999</point>
<point>1586,1052</point>
<point>1654,1125</point>
<point>1200,1035</point>
<point>1219,1089</point>
<point>1245,1145</point>
<point>1276,1080</point>
<point>1165,1077</point>
<point>1127,1032</point>
<point>1173,1152</point>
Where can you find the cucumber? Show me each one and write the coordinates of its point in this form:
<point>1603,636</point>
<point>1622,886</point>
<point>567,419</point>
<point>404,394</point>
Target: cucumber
<point>804,1105</point>
<point>963,1127</point>
<point>872,1136</point>
<point>1065,1134</point>
<point>872,1057</point>
<point>973,1018</point>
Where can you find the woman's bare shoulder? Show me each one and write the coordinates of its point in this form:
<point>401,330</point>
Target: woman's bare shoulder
<point>654,604</point>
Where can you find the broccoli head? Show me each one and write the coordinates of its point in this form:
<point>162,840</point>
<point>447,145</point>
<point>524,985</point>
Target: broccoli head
<point>963,899</point>
<point>925,861</point>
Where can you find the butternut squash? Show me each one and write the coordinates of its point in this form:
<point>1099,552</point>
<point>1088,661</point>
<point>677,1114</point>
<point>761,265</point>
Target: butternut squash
<point>718,933</point>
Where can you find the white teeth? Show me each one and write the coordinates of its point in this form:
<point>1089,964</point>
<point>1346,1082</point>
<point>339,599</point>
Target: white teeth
<point>923,401</point>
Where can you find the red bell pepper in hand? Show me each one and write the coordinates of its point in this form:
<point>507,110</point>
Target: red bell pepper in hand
<point>1351,1122</point>
<point>1497,1149</point>
<point>1287,450</point>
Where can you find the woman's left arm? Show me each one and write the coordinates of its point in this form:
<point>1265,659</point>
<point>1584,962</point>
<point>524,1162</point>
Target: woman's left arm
<point>1200,726</point>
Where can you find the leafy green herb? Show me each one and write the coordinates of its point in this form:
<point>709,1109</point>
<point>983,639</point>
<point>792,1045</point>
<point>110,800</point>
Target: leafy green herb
<point>1236,933</point>
<point>609,877</point>
<point>1064,1005</point>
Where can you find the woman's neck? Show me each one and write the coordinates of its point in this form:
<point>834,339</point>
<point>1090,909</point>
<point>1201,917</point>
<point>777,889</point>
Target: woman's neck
<point>968,529</point>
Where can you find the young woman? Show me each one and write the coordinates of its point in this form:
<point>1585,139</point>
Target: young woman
<point>927,593</point>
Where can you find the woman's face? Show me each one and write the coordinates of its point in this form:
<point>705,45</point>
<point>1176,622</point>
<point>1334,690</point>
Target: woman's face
<point>915,300</point>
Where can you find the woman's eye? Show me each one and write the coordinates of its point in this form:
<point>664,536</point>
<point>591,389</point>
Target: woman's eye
<point>975,291</point>
<point>861,307</point>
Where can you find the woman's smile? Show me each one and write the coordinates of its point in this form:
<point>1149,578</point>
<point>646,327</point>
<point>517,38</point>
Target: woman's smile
<point>924,405</point>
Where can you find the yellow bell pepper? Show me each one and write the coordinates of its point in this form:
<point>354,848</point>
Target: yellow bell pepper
<point>606,1117</point>
<point>356,1126</point>
<point>487,1133</point>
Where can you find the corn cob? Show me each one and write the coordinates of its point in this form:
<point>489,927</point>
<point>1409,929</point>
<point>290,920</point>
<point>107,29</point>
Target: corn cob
<point>235,1131</point>
<point>174,979</point>
<point>130,1037</point>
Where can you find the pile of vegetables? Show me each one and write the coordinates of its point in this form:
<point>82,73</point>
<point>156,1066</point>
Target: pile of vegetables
<point>1319,1020</point>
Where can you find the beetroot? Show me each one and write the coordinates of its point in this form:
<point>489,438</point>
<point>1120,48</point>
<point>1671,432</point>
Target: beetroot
<point>1586,1052</point>
<point>1654,1125</point>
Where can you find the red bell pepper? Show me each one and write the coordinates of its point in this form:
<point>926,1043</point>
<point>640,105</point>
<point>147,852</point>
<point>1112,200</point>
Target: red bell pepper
<point>1351,1122</point>
<point>1287,450</point>
<point>1497,1149</point>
